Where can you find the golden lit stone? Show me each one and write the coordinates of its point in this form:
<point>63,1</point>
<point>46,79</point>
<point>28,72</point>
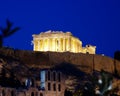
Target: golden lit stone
<point>59,41</point>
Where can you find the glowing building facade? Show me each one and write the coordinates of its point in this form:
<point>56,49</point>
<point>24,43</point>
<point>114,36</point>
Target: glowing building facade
<point>58,41</point>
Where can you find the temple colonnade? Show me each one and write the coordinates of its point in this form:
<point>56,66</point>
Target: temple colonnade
<point>58,41</point>
<point>57,44</point>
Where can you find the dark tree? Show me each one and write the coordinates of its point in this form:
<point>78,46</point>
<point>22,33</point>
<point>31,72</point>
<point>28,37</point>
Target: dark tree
<point>97,85</point>
<point>117,55</point>
<point>68,93</point>
<point>3,78</point>
<point>7,31</point>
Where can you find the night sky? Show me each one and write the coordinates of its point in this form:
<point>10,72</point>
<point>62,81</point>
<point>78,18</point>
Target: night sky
<point>95,22</point>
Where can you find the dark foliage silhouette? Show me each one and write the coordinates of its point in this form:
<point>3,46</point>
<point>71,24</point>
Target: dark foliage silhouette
<point>10,81</point>
<point>69,69</point>
<point>68,93</point>
<point>72,74</point>
<point>7,31</point>
<point>117,55</point>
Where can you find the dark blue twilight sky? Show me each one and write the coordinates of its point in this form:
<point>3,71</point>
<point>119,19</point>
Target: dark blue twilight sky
<point>95,22</point>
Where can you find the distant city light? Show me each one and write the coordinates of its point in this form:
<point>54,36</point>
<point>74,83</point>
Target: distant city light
<point>100,81</point>
<point>103,54</point>
<point>110,87</point>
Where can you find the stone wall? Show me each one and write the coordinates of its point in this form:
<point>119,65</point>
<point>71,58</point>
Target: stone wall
<point>85,62</point>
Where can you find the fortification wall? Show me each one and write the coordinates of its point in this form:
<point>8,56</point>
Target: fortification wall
<point>85,62</point>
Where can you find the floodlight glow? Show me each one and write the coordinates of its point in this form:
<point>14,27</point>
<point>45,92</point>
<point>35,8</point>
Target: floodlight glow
<point>100,81</point>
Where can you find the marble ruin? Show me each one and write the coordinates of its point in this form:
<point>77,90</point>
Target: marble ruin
<point>58,41</point>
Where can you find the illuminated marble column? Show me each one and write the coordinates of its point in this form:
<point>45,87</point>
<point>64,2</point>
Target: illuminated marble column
<point>55,44</point>
<point>77,47</point>
<point>38,45</point>
<point>53,47</point>
<point>63,44</point>
<point>39,41</point>
<point>50,46</point>
<point>59,44</point>
<point>34,45</point>
<point>80,47</point>
<point>68,44</point>
<point>73,46</point>
<point>47,44</point>
<point>43,44</point>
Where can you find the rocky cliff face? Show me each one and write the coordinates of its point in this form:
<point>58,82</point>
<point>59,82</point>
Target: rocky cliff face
<point>85,62</point>
<point>75,66</point>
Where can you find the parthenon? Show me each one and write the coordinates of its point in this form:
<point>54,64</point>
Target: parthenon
<point>58,41</point>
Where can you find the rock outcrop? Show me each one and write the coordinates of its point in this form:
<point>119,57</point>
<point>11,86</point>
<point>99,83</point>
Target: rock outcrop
<point>85,62</point>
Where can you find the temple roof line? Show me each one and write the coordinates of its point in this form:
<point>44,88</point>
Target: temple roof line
<point>60,41</point>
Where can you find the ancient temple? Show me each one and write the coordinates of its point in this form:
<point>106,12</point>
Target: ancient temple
<point>58,41</point>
